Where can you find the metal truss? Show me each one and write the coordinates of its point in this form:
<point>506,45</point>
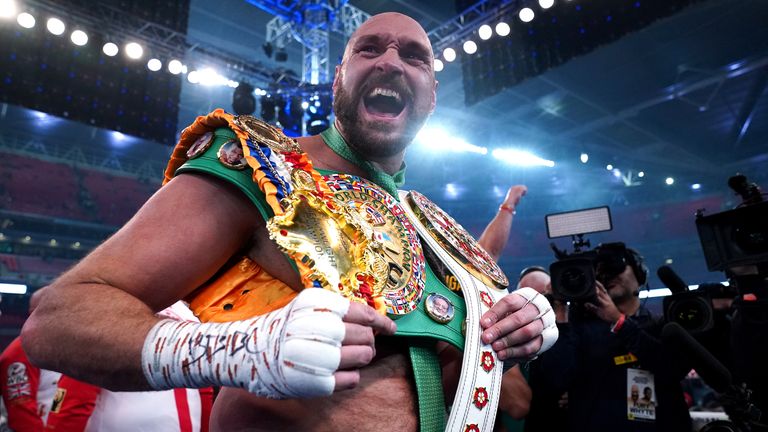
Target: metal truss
<point>162,41</point>
<point>309,23</point>
<point>463,24</point>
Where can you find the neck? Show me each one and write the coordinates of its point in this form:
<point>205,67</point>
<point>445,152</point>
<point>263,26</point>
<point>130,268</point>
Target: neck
<point>388,164</point>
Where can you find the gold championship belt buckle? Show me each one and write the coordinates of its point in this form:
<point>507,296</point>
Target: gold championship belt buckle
<point>356,241</point>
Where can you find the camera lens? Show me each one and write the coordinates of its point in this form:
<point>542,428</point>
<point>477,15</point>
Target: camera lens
<point>572,281</point>
<point>692,313</point>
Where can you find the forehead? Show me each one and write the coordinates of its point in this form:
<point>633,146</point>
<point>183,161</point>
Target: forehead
<point>391,27</point>
<point>535,275</point>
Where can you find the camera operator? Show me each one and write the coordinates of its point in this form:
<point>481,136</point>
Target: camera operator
<point>609,346</point>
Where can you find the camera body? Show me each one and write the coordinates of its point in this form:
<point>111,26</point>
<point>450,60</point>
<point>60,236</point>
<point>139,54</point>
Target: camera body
<point>738,237</point>
<point>574,275</point>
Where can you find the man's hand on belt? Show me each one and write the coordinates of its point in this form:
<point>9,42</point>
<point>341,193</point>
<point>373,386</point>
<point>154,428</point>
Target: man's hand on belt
<point>520,326</point>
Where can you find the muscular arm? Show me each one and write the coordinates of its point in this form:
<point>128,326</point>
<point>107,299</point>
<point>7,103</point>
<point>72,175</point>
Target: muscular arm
<point>91,323</point>
<point>496,234</point>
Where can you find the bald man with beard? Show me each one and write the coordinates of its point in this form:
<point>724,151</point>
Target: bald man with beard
<point>296,359</point>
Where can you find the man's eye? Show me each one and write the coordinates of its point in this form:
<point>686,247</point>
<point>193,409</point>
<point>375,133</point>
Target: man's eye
<point>413,57</point>
<point>369,49</point>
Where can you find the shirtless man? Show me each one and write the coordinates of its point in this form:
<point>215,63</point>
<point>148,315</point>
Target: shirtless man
<point>196,223</point>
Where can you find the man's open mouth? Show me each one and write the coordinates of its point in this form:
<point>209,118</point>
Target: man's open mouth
<point>384,102</point>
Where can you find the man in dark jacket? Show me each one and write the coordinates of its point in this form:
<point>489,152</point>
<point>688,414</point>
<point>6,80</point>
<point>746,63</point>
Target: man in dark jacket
<point>608,346</point>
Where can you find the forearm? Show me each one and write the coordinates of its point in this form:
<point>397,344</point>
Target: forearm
<point>496,234</point>
<point>91,332</point>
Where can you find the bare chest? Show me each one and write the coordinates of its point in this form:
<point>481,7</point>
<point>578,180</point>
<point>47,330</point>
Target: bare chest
<point>384,399</point>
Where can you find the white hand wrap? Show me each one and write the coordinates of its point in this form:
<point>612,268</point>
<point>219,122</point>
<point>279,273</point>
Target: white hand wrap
<point>546,315</point>
<point>291,352</point>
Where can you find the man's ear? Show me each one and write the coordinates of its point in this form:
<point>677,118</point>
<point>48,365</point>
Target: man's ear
<point>336,78</point>
<point>434,98</point>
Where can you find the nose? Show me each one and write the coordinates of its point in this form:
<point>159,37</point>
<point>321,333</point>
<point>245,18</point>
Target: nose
<point>390,62</point>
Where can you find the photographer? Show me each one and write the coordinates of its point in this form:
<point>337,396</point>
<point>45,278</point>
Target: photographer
<point>609,346</point>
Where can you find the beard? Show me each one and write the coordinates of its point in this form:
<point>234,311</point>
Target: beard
<point>373,139</point>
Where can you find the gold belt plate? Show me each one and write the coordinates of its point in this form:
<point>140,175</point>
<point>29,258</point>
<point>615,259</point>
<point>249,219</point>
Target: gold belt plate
<point>357,242</point>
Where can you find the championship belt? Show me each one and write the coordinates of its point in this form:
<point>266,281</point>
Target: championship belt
<point>346,235</point>
<point>482,283</point>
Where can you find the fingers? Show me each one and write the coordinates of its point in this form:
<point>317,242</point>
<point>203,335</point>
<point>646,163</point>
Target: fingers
<point>366,316</point>
<point>345,380</point>
<point>523,352</point>
<point>522,344</point>
<point>507,305</point>
<point>511,323</point>
<point>356,356</point>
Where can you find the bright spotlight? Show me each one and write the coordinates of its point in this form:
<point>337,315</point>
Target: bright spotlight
<point>669,181</point>
<point>55,26</point>
<point>609,167</point>
<point>470,47</point>
<point>616,172</point>
<point>304,105</point>
<point>546,4</point>
<point>641,174</point>
<point>154,65</point>
<point>451,190</point>
<point>438,65</point>
<point>110,49</point>
<point>696,186</point>
<point>193,77</point>
<point>134,50</point>
<point>584,158</point>
<point>79,37</point>
<point>209,77</point>
<point>485,32</point>
<point>521,158</point>
<point>175,67</point>
<point>438,139</point>
<point>526,14</point>
<point>502,29</point>
<point>25,20</point>
<point>449,54</point>
<point>7,8</point>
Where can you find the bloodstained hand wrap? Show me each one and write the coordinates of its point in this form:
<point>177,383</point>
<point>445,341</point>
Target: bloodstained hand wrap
<point>291,352</point>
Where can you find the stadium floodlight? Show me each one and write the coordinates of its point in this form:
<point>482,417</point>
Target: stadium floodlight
<point>134,50</point>
<point>55,26</point>
<point>154,65</point>
<point>79,38</point>
<point>110,49</point>
<point>521,158</point>
<point>449,54</point>
<point>175,67</point>
<point>485,32</point>
<point>25,20</point>
<point>526,15</point>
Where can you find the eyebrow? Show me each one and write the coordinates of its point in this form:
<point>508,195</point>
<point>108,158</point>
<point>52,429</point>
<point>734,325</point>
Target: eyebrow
<point>410,44</point>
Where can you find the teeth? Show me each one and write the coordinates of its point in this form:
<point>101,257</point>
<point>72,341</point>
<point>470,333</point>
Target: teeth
<point>385,92</point>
